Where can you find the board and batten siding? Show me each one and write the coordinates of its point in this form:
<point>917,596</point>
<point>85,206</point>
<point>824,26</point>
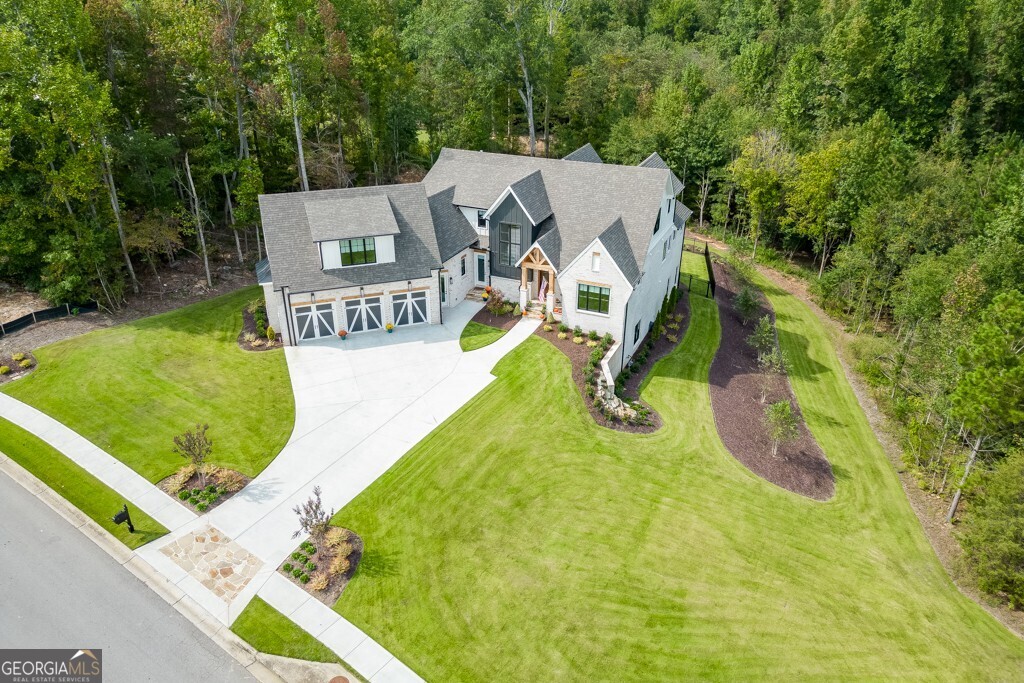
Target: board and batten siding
<point>330,252</point>
<point>509,211</point>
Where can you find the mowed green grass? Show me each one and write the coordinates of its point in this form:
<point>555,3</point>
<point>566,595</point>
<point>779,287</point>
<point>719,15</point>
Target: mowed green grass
<point>98,501</point>
<point>519,541</point>
<point>477,335</point>
<point>131,388</point>
<point>269,631</point>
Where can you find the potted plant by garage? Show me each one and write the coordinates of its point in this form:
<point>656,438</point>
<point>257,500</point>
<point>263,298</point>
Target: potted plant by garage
<point>390,328</point>
<point>342,334</point>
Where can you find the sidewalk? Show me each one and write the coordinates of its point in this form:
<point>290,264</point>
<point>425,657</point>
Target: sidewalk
<point>360,407</point>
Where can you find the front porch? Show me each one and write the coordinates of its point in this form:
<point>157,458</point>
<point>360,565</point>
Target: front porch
<point>538,285</point>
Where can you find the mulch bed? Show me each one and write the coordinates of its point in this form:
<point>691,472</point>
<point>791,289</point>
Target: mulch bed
<point>16,370</point>
<point>662,347</point>
<point>502,322</point>
<point>578,355</point>
<point>336,585</point>
<point>216,477</point>
<point>800,466</point>
<point>249,327</point>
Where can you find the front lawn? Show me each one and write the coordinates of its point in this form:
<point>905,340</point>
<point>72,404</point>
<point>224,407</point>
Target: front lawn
<point>477,335</point>
<point>520,541</point>
<point>87,493</point>
<point>269,631</point>
<point>131,388</point>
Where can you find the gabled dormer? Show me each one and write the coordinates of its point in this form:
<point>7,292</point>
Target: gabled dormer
<point>513,219</point>
<point>353,231</point>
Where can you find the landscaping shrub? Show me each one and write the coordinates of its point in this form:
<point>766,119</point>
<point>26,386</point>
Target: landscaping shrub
<point>201,506</point>
<point>232,481</point>
<point>319,581</point>
<point>311,566</point>
<point>4,370</point>
<point>590,387</point>
<point>562,327</point>
<point>297,572</point>
<point>746,304</point>
<point>287,566</point>
<point>577,331</point>
<point>577,340</point>
<point>249,337</point>
<point>308,548</point>
<point>496,303</point>
<point>183,495</point>
<point>593,335</point>
<point>18,357</point>
<point>547,328</point>
<point>561,335</point>
<point>343,549</point>
<point>299,557</point>
<point>672,338</point>
<point>339,565</point>
<point>596,355</point>
<point>26,363</point>
<point>304,578</point>
<point>607,340</point>
<point>257,343</point>
<point>271,334</point>
<point>336,536</point>
<point>517,311</point>
<point>591,343</point>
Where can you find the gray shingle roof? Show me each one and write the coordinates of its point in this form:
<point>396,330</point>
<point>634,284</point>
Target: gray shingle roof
<point>533,197</point>
<point>454,233</point>
<point>616,241</point>
<point>655,161</point>
<point>295,258</point>
<point>681,215</point>
<point>263,274</point>
<point>585,153</point>
<point>585,198</point>
<point>348,217</point>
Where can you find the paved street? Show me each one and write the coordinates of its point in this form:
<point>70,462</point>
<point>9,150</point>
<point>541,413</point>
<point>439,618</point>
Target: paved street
<point>58,589</point>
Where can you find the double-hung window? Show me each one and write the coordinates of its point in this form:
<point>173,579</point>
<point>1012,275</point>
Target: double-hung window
<point>508,243</point>
<point>636,332</point>
<point>481,222</point>
<point>592,298</point>
<point>358,251</point>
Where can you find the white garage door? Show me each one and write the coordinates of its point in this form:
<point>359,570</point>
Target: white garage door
<point>363,315</point>
<point>410,308</point>
<point>314,322</point>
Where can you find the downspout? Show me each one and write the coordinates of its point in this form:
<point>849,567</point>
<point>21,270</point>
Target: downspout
<point>625,324</point>
<point>286,300</point>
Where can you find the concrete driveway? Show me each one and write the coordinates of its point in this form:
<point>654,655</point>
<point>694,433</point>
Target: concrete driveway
<point>360,405</point>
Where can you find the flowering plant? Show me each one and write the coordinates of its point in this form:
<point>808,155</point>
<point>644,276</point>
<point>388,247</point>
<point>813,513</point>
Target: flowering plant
<point>342,333</point>
<point>389,327</point>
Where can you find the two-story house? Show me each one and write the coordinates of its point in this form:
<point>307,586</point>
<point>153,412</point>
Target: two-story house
<point>597,244</point>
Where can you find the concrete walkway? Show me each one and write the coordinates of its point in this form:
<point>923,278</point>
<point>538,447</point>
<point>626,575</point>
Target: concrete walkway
<point>360,405</point>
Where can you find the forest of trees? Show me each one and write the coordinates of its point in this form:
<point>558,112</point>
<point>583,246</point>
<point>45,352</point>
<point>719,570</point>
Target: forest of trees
<point>876,142</point>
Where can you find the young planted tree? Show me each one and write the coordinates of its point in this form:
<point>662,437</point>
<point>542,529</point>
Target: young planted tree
<point>781,423</point>
<point>746,304</point>
<point>195,446</point>
<point>314,521</point>
<point>762,339</point>
<point>989,398</point>
<point>771,364</point>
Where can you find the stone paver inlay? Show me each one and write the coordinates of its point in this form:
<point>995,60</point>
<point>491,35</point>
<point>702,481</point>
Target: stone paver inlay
<point>214,560</point>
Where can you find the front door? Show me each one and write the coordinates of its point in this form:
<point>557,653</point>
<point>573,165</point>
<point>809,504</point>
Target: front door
<point>481,269</point>
<point>363,315</point>
<point>314,322</point>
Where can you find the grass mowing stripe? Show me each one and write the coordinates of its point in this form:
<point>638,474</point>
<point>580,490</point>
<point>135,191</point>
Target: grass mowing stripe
<point>271,632</point>
<point>95,499</point>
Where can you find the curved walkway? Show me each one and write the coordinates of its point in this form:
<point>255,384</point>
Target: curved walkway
<point>360,405</point>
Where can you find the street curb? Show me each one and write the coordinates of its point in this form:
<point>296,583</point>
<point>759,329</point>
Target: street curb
<point>256,663</point>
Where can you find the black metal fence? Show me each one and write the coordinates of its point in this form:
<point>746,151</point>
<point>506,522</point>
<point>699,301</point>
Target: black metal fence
<point>696,283</point>
<point>46,314</point>
<point>711,271</point>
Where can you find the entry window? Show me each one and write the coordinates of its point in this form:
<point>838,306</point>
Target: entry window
<point>358,252</point>
<point>481,222</point>
<point>595,262</point>
<point>636,332</point>
<point>508,243</point>
<point>592,298</point>
<point>463,266</point>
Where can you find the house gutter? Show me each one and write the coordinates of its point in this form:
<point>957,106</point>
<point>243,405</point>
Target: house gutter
<point>287,300</point>
<point>625,324</point>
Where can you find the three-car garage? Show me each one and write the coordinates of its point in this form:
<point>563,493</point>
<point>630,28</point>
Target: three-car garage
<point>324,317</point>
